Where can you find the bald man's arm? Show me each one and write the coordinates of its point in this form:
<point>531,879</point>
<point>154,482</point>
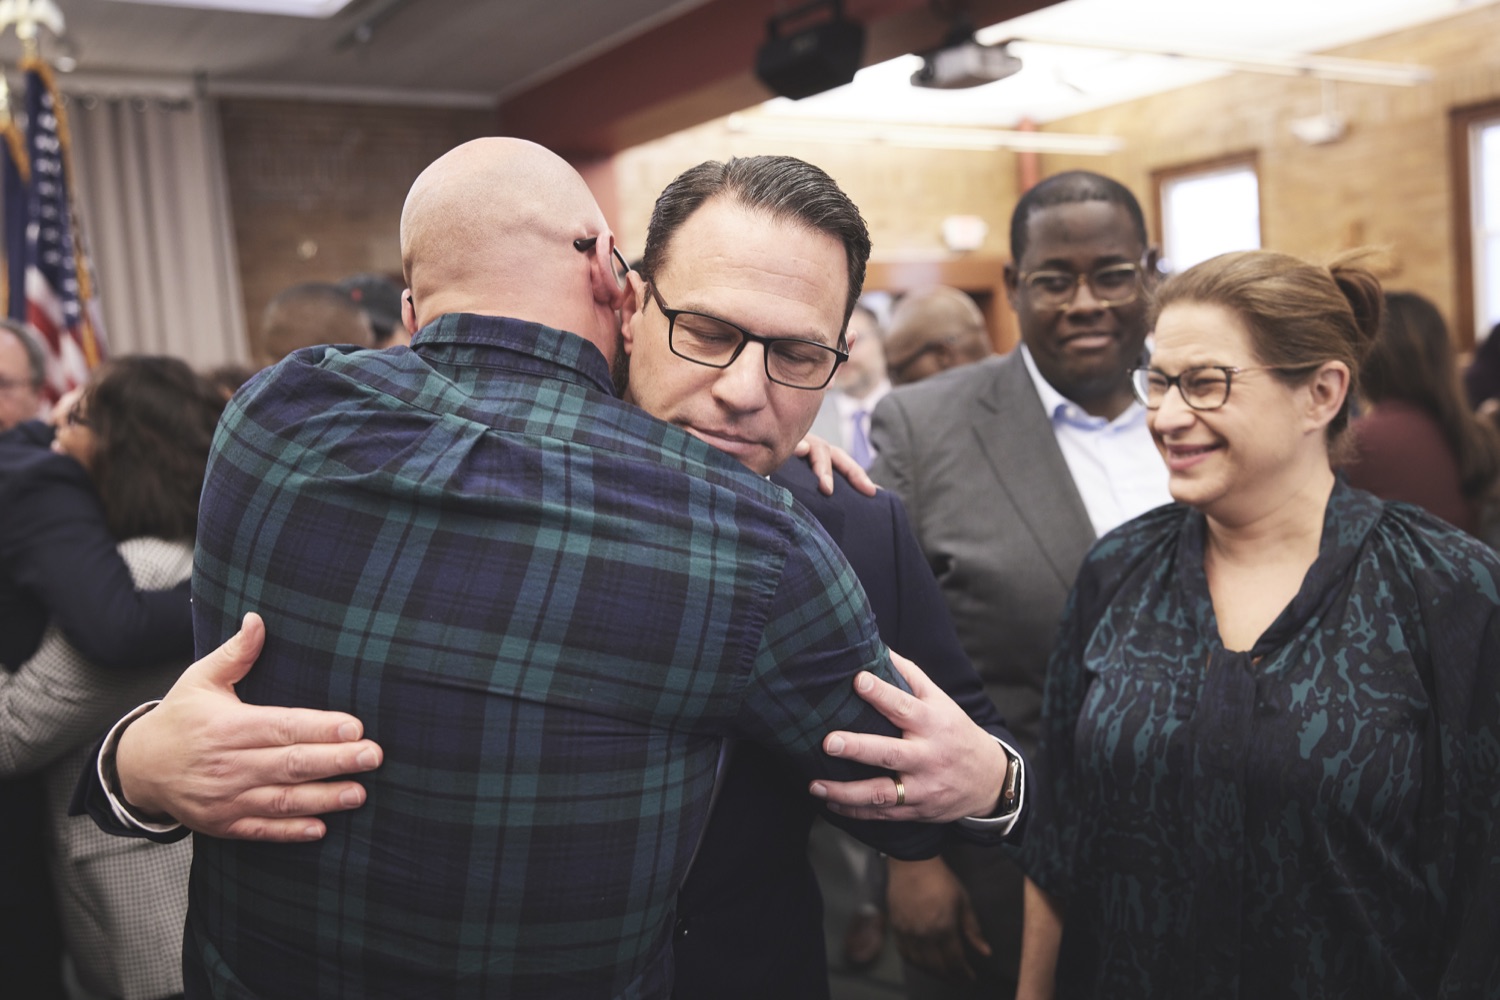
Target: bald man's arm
<point>204,759</point>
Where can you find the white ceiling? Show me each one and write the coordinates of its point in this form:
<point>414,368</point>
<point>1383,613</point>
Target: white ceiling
<point>464,51</point>
<point>1057,82</point>
<point>479,51</point>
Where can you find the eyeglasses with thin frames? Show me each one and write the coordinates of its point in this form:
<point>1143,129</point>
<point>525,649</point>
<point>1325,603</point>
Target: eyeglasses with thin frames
<point>1205,387</point>
<point>1111,285</point>
<point>717,343</point>
<point>586,243</point>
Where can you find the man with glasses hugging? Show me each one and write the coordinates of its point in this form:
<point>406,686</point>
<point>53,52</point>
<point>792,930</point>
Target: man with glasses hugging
<point>1010,469</point>
<point>547,606</point>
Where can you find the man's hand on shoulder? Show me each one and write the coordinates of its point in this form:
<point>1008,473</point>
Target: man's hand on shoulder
<point>826,459</point>
<point>948,768</point>
<point>221,767</point>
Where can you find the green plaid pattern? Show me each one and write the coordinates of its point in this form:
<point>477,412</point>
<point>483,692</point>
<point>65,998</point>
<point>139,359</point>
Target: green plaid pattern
<point>549,609</point>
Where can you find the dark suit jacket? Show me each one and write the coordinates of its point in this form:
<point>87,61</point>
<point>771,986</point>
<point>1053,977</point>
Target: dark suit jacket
<point>750,916</point>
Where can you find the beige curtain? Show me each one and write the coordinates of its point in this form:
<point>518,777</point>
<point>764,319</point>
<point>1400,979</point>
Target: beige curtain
<point>151,190</point>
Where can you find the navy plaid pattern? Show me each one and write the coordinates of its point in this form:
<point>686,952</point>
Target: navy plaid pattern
<point>549,609</point>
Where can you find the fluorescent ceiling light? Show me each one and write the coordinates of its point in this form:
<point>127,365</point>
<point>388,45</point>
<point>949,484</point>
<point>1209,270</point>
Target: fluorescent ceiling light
<point>923,136</point>
<point>1276,63</point>
<point>290,8</point>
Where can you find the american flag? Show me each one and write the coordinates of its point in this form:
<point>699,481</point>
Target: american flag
<point>15,178</point>
<point>59,305</point>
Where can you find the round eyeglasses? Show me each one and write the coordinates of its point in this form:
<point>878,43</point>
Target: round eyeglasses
<point>717,343</point>
<point>1114,285</point>
<point>1203,388</point>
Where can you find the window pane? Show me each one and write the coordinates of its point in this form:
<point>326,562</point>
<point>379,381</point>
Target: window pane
<point>1488,186</point>
<point>1489,295</point>
<point>1208,214</point>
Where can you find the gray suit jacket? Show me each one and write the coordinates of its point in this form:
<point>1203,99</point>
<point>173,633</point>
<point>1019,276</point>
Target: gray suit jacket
<point>972,455</point>
<point>122,902</point>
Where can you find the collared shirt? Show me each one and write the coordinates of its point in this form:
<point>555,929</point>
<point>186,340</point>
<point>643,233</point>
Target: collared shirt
<point>549,609</point>
<point>1116,467</point>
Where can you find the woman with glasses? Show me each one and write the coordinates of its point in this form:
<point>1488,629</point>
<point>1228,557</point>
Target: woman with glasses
<point>140,432</point>
<point>1270,749</point>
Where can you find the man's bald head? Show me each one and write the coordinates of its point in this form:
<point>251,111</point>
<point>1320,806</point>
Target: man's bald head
<point>934,329</point>
<point>489,228</point>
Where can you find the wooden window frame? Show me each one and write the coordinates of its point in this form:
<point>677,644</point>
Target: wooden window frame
<point>1218,164</point>
<point>1461,122</point>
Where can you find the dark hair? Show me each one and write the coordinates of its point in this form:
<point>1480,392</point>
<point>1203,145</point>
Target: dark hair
<point>1413,362</point>
<point>784,187</point>
<point>1482,380</point>
<point>35,356</point>
<point>1299,314</point>
<point>153,420</point>
<point>1071,187</point>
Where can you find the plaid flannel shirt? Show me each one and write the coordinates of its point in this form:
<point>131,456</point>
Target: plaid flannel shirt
<point>549,609</point>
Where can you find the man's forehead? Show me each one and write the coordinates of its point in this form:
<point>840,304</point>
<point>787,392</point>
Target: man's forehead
<point>1087,230</point>
<point>13,353</point>
<point>725,254</point>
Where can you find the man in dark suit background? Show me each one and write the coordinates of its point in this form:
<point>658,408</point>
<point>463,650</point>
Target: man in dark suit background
<point>1010,468</point>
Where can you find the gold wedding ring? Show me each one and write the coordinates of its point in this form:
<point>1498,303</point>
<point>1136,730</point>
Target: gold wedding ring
<point>900,793</point>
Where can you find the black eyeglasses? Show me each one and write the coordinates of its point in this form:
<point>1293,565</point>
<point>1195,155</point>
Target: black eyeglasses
<point>716,343</point>
<point>1113,285</point>
<point>1203,388</point>
<point>586,243</point>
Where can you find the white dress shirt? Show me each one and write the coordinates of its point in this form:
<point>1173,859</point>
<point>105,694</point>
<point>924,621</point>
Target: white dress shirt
<point>1114,463</point>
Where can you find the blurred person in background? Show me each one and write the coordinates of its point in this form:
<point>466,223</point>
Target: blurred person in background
<point>306,316</point>
<point>59,566</point>
<point>1482,377</point>
<point>858,385</point>
<point>1417,441</point>
<point>1267,761</point>
<point>933,330</point>
<point>380,299</point>
<point>23,370</point>
<point>141,431</point>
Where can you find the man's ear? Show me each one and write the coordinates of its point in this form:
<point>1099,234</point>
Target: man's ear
<point>632,306</point>
<point>1326,391</point>
<point>1150,265</point>
<point>409,312</point>
<point>606,287</point>
<point>1012,278</point>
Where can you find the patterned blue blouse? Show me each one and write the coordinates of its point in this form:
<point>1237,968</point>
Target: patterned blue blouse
<point>1316,817</point>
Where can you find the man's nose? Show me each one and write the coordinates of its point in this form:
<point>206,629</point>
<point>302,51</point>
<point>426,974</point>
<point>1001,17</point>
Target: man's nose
<point>1084,299</point>
<point>743,385</point>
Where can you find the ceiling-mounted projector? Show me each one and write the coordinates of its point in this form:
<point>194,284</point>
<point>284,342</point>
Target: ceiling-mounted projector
<point>962,62</point>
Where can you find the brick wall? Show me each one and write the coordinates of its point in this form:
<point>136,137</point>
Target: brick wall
<point>316,189</point>
<point>1387,182</point>
<point>904,194</point>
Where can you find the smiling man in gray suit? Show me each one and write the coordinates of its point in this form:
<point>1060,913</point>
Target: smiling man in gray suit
<point>1010,468</point>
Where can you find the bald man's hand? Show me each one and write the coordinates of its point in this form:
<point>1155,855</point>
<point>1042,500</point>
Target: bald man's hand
<point>826,459</point>
<point>948,767</point>
<point>218,766</point>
